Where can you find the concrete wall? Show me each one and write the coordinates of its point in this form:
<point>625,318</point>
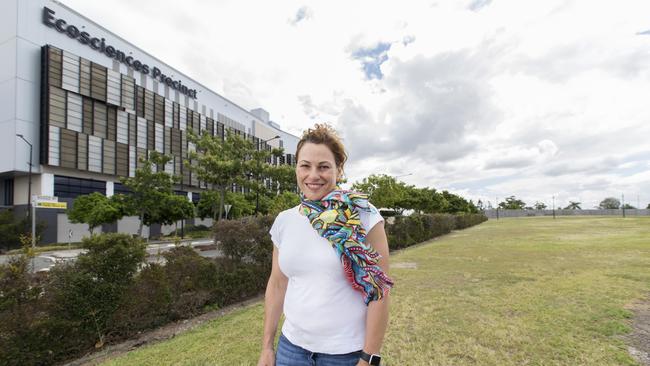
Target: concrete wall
<point>492,214</point>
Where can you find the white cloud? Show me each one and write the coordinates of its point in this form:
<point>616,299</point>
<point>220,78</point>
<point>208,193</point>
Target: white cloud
<point>489,98</point>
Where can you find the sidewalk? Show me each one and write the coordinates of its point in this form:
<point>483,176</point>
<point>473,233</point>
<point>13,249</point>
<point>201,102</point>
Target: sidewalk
<point>46,260</point>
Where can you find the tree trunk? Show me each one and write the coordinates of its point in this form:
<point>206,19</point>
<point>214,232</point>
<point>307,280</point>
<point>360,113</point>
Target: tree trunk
<point>222,198</point>
<point>141,224</point>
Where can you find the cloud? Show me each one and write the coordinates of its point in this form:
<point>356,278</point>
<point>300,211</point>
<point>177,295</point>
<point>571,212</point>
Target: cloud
<point>304,13</point>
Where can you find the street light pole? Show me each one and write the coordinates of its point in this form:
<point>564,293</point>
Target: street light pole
<point>257,190</point>
<point>29,191</point>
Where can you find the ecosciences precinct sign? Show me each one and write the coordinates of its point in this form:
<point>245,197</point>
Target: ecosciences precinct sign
<point>99,45</point>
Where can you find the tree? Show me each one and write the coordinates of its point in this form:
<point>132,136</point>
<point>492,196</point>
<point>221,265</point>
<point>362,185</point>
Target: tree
<point>573,206</point>
<point>610,203</point>
<point>93,209</point>
<point>648,207</point>
<point>627,206</point>
<point>457,204</point>
<point>512,203</point>
<point>150,190</point>
<point>233,160</point>
<point>283,201</point>
<point>383,191</point>
<point>539,206</point>
<point>174,208</point>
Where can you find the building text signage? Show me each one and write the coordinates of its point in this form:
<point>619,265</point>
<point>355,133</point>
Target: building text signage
<point>99,45</point>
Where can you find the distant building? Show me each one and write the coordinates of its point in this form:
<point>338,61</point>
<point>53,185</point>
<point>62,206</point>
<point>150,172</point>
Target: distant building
<point>92,104</point>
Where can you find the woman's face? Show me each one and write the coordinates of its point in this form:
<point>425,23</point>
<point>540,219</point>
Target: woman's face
<point>316,171</point>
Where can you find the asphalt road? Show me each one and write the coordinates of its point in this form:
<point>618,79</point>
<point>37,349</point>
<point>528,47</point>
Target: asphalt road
<point>46,260</point>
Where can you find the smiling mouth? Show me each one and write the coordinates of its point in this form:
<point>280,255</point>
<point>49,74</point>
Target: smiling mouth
<point>314,186</point>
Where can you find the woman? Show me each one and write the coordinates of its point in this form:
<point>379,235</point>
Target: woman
<point>330,260</point>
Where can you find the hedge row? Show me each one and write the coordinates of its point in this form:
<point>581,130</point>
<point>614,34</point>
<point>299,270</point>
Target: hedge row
<point>417,228</point>
<point>110,293</point>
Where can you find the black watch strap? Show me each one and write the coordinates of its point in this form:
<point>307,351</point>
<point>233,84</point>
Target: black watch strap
<point>373,360</point>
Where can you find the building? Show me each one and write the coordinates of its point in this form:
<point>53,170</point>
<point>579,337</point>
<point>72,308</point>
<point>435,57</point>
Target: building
<point>91,104</point>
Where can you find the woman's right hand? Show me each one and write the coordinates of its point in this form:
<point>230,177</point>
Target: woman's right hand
<point>267,358</point>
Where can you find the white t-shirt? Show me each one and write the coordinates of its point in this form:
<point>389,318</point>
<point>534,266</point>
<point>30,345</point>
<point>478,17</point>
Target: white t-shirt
<point>323,313</point>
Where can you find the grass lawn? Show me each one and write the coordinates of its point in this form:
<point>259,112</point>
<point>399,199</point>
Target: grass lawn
<point>520,291</point>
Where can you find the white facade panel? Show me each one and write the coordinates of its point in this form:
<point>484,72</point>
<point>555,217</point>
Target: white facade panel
<point>141,137</point>
<point>74,109</point>
<point>55,146</point>
<point>169,111</point>
<point>202,123</point>
<point>183,118</point>
<point>122,127</point>
<point>169,167</point>
<point>70,72</point>
<point>94,154</point>
<point>159,141</point>
<point>132,161</point>
<point>113,93</point>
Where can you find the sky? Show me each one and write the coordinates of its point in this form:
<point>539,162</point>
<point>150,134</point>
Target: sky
<point>544,100</point>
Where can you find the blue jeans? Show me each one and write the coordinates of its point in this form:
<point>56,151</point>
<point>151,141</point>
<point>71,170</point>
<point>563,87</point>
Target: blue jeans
<point>289,354</point>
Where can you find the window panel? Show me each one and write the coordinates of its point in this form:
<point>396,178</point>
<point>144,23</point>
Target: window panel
<point>160,136</point>
<point>94,154</point>
<point>159,109</point>
<point>54,66</point>
<point>109,157</point>
<point>148,105</point>
<point>139,101</point>
<point>133,129</point>
<point>122,127</point>
<point>121,159</point>
<point>55,139</point>
<point>68,149</point>
<point>168,141</point>
<point>57,107</point>
<point>182,122</point>
<point>169,113</point>
<point>176,142</point>
<point>113,88</point>
<point>202,123</point>
<point>112,123</point>
<point>70,72</point>
<point>128,92</point>
<point>142,133</point>
<point>87,116</point>
<point>132,160</point>
<point>84,77</point>
<point>75,107</point>
<point>98,82</point>
<point>151,137</point>
<point>100,119</point>
<point>82,151</point>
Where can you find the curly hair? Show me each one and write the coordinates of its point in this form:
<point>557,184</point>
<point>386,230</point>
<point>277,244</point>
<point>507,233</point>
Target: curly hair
<point>323,133</point>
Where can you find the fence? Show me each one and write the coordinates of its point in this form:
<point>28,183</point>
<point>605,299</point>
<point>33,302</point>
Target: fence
<point>492,214</point>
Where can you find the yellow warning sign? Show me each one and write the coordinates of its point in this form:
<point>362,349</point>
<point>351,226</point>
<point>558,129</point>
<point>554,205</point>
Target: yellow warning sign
<point>46,204</point>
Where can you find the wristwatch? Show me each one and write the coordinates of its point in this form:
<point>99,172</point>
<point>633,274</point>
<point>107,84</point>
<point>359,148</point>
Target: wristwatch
<point>371,359</point>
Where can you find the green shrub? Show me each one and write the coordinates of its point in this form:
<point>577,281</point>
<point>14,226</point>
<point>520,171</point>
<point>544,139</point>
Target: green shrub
<point>84,296</point>
<point>12,227</point>
<point>417,228</point>
<point>23,341</point>
<point>245,239</point>
<point>147,302</point>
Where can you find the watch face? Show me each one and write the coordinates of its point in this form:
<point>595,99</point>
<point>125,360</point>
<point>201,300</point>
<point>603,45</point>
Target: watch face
<point>374,360</point>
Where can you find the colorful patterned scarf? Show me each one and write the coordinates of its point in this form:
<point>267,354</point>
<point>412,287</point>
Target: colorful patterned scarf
<point>336,218</point>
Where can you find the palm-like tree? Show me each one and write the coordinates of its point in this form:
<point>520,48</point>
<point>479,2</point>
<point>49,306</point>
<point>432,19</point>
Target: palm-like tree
<point>573,206</point>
